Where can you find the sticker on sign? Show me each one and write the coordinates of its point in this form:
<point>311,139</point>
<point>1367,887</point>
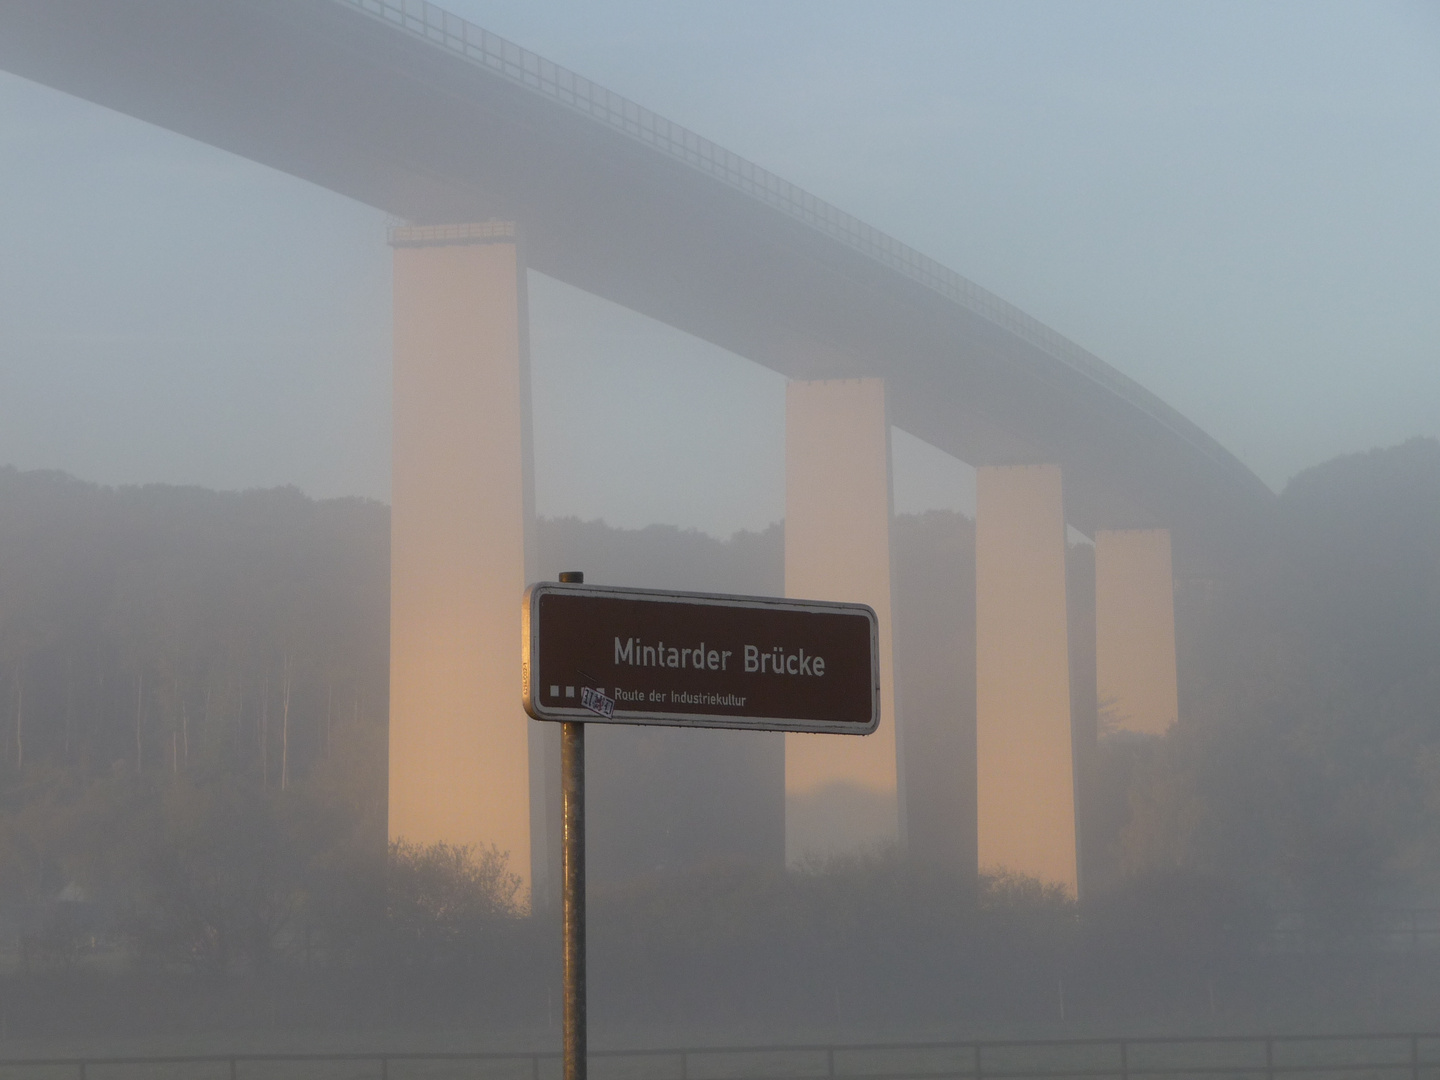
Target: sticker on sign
<point>640,656</point>
<point>597,702</point>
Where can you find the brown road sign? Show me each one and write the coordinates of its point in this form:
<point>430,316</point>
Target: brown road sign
<point>637,656</point>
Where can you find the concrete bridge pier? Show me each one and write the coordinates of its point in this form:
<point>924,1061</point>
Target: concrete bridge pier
<point>1024,748</point>
<point>841,793</point>
<point>1135,630</point>
<point>461,544</point>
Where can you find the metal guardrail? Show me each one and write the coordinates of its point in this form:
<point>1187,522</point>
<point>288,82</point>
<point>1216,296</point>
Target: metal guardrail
<point>425,235</point>
<point>1386,930</point>
<point>1261,1057</point>
<point>433,23</point>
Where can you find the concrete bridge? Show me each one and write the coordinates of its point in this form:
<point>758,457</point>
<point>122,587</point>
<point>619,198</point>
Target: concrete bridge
<point>501,161</point>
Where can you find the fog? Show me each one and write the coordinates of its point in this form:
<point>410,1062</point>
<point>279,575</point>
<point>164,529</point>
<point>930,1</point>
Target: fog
<point>1261,866</point>
<point>1232,206</point>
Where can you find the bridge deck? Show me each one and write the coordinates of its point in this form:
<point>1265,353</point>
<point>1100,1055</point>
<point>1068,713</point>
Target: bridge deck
<point>407,108</point>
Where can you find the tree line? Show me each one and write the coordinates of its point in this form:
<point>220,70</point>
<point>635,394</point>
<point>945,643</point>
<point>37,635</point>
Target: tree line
<point>192,786</point>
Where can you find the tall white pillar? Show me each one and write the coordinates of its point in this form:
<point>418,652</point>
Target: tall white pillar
<point>1024,753</point>
<point>1135,630</point>
<point>841,791</point>
<point>462,504</point>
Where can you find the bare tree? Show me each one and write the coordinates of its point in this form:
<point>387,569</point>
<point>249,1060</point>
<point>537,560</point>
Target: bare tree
<point>69,702</point>
<point>265,734</point>
<point>285,729</point>
<point>19,720</point>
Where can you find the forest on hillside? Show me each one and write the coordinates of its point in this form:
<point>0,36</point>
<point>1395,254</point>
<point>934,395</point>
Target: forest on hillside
<point>1306,764</point>
<point>192,759</point>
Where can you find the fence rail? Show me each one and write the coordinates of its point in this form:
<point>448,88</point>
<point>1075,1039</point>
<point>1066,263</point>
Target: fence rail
<point>1261,1057</point>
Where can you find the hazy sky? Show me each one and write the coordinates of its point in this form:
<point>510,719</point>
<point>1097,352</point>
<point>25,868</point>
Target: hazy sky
<point>1237,205</point>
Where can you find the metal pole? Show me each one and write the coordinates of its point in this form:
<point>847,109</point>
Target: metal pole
<point>572,772</point>
<point>572,766</point>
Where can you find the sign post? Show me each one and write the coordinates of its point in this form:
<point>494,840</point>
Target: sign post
<point>572,845</point>
<point>601,655</point>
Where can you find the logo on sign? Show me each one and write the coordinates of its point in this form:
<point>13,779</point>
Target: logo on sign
<point>597,702</point>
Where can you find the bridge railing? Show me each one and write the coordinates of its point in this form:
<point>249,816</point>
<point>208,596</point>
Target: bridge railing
<point>1412,1055</point>
<point>507,59</point>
